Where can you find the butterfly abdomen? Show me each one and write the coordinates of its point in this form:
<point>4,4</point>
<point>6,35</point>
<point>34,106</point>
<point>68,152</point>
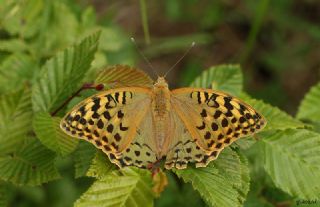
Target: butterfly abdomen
<point>161,107</point>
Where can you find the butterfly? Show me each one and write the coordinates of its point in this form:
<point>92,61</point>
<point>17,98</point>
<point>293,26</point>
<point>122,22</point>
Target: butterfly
<point>140,126</point>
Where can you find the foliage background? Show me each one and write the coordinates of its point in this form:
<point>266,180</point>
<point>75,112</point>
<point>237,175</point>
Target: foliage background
<point>277,44</point>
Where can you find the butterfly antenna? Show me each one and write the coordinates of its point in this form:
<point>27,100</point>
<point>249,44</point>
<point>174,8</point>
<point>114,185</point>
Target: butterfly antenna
<point>144,57</point>
<point>186,52</point>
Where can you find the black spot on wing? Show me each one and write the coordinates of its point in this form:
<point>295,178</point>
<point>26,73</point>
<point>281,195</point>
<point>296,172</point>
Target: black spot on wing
<point>95,132</point>
<point>95,115</point>
<point>212,101</point>
<point>105,139</point>
<point>214,126</point>
<point>242,109</point>
<point>76,118</point>
<point>199,97</point>
<point>220,136</point>
<point>110,128</point>
<point>229,114</point>
<point>211,143</point>
<point>100,124</point>
<point>224,122</point>
<point>122,128</point>
<point>204,113</point>
<point>206,96</point>
<point>137,153</point>
<point>98,143</point>
<point>91,122</point>
<point>124,98</point>
<point>203,126</point>
<point>83,121</point>
<point>217,114</point>
<point>242,119</point>
<point>116,97</point>
<point>96,104</point>
<point>207,135</point>
<point>120,114</point>
<point>117,137</point>
<point>219,145</point>
<point>111,102</point>
<point>82,110</point>
<point>107,148</point>
<point>128,159</point>
<point>227,103</point>
<point>107,115</point>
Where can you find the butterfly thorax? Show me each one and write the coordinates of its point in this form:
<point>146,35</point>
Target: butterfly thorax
<point>160,103</point>
<point>161,107</point>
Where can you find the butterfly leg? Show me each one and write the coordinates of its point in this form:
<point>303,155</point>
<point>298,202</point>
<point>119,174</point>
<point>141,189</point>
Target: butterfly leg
<point>154,167</point>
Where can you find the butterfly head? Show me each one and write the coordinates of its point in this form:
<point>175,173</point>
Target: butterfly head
<point>161,83</point>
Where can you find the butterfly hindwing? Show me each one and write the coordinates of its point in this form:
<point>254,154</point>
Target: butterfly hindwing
<point>141,152</point>
<point>108,119</point>
<point>184,149</point>
<point>215,119</point>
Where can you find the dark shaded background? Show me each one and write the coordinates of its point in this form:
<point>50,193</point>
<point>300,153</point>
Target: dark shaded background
<point>277,43</point>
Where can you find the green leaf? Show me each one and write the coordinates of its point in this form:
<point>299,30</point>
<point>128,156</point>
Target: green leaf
<point>52,23</point>
<point>244,143</point>
<point>32,164</point>
<point>16,71</point>
<point>111,39</point>
<point>224,182</point>
<point>292,159</point>
<point>131,188</point>
<point>21,18</point>
<point>228,165</point>
<point>244,188</point>
<point>88,17</point>
<point>276,119</point>
<point>83,157</point>
<point>48,131</point>
<point>309,108</point>
<point>15,113</point>
<point>100,166</point>
<point>62,75</point>
<point>4,195</point>
<point>13,45</point>
<point>116,46</point>
<point>234,166</point>
<point>178,194</point>
<point>227,78</point>
<point>211,185</point>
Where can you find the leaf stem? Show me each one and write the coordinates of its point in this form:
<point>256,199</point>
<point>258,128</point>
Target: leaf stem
<point>144,16</point>
<point>256,25</point>
<point>85,86</point>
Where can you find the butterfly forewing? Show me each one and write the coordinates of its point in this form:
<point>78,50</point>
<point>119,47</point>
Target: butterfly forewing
<point>109,119</point>
<point>215,119</point>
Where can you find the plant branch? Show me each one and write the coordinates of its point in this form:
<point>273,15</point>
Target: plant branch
<point>85,86</point>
